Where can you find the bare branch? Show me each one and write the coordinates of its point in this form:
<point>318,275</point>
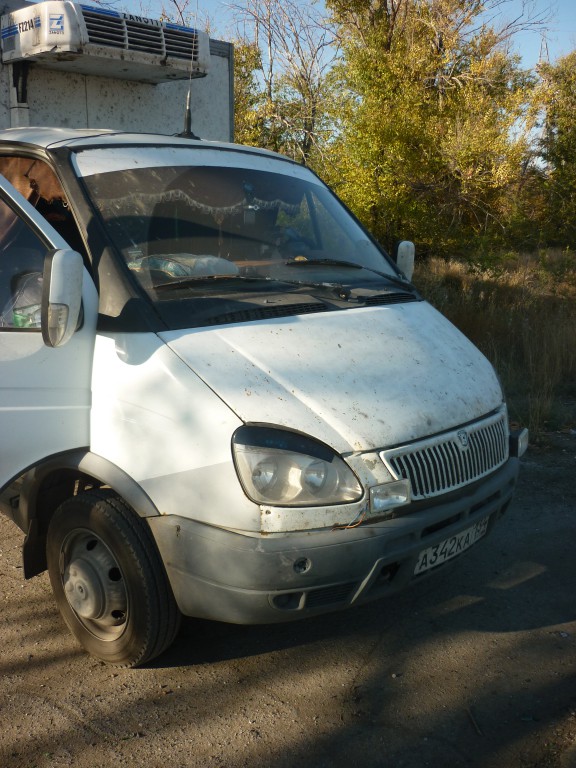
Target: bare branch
<point>297,52</point>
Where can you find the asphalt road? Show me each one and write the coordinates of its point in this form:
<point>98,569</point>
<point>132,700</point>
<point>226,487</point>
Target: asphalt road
<point>476,666</point>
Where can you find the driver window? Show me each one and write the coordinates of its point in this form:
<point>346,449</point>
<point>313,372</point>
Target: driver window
<point>21,267</point>
<point>37,182</point>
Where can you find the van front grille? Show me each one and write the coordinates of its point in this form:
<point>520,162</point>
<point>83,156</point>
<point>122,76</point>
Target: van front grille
<point>451,460</point>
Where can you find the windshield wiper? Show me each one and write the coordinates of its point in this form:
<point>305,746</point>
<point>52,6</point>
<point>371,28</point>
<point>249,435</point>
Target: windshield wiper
<point>394,279</point>
<point>322,262</point>
<point>401,282</point>
<point>189,280</point>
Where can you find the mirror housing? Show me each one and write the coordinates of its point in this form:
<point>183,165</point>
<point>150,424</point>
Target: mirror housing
<point>405,258</point>
<point>61,296</point>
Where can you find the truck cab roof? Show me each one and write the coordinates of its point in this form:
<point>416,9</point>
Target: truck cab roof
<point>49,138</point>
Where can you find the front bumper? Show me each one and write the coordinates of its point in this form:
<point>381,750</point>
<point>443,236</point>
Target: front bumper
<point>226,576</point>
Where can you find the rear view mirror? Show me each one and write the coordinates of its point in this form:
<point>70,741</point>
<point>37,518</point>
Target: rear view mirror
<point>405,258</point>
<point>61,296</point>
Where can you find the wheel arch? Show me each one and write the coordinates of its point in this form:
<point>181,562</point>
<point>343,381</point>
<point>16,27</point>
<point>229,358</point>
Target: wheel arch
<point>48,484</point>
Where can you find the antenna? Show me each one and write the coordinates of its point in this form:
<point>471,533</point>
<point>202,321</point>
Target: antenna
<point>187,133</point>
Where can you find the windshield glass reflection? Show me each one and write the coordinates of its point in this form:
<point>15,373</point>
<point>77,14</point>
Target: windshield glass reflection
<point>177,224</point>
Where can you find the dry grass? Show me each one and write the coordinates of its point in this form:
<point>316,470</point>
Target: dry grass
<point>521,312</point>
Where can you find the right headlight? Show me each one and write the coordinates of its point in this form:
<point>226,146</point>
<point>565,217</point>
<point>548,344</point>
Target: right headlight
<point>287,469</point>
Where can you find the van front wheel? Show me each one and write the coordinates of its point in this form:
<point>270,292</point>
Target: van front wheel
<point>108,580</point>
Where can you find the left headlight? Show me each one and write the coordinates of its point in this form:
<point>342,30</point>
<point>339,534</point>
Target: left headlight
<point>287,469</point>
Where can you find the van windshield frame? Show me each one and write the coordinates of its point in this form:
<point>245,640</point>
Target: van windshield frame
<point>190,223</point>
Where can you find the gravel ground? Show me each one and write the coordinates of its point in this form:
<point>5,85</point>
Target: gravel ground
<point>476,666</point>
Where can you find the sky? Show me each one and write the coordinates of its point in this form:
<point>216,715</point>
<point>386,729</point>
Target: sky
<point>560,32</point>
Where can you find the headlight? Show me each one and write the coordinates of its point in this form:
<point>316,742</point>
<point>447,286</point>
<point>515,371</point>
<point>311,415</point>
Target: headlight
<point>290,470</point>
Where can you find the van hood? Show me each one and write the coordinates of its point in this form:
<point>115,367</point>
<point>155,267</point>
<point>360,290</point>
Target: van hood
<point>357,379</point>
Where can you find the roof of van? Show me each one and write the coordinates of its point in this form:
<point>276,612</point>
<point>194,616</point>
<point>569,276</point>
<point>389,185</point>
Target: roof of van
<point>51,138</point>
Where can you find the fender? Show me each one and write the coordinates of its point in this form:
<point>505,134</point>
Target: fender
<point>48,484</point>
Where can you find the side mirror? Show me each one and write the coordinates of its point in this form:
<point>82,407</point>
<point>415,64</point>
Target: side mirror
<point>61,296</point>
<point>405,258</point>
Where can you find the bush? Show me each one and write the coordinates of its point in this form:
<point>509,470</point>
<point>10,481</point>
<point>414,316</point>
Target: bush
<point>521,312</point>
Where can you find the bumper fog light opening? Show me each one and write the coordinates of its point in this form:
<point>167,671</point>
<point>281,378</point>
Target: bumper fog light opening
<point>288,601</point>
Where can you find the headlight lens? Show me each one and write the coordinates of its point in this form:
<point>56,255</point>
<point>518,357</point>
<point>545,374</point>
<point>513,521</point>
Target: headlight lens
<point>290,470</point>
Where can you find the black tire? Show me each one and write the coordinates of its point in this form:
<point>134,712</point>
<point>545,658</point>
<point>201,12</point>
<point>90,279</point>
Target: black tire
<point>109,581</point>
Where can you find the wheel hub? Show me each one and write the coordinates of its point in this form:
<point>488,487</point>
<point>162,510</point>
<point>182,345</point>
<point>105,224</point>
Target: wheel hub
<point>93,582</point>
<point>84,590</point>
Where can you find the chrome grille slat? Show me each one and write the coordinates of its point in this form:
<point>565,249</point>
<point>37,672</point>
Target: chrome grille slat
<point>446,462</point>
<point>490,441</point>
<point>438,468</point>
<point>443,455</point>
<point>458,469</point>
<point>480,452</point>
<point>419,460</point>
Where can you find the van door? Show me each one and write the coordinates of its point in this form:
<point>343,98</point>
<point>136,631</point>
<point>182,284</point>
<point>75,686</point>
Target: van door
<point>44,392</point>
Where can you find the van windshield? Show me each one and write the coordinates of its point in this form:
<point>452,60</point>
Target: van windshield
<point>187,217</point>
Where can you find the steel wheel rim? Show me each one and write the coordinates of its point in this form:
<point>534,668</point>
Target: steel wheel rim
<point>93,584</point>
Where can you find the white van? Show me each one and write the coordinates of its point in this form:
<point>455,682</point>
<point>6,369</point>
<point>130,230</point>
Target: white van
<point>219,397</point>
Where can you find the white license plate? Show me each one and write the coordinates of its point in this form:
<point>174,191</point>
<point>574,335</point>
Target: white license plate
<point>449,548</point>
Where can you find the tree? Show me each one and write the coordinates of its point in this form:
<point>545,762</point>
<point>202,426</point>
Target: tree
<point>184,12</point>
<point>249,100</point>
<point>432,131</point>
<point>283,57</point>
<point>558,148</point>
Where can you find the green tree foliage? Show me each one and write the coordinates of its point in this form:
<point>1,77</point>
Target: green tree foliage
<point>431,130</point>
<point>249,100</point>
<point>558,147</point>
